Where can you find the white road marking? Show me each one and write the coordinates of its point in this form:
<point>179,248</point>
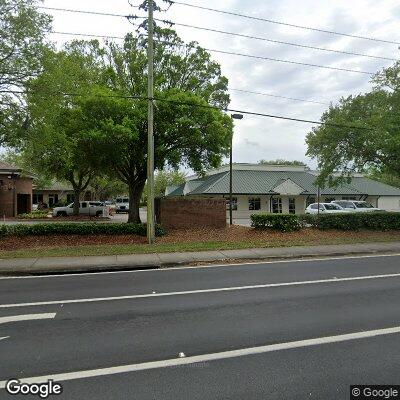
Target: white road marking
<point>26,317</point>
<point>5,337</point>
<point>305,259</point>
<point>207,357</point>
<point>225,289</point>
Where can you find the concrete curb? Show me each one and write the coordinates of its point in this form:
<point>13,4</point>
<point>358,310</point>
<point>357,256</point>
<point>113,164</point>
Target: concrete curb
<point>65,265</point>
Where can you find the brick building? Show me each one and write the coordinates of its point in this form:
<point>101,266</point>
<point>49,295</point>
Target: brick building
<point>15,191</point>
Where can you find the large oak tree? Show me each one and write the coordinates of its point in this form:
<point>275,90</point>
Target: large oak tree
<point>362,132</point>
<point>187,130</point>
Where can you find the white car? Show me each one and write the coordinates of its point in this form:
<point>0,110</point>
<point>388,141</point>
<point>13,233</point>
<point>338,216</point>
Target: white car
<point>90,208</point>
<point>328,208</point>
<point>122,205</point>
<point>356,206</point>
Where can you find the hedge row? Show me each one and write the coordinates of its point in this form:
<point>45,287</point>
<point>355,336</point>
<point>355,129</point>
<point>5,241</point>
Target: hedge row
<point>281,222</point>
<point>81,228</point>
<point>378,221</point>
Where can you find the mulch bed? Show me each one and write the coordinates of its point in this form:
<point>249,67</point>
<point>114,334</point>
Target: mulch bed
<point>232,234</point>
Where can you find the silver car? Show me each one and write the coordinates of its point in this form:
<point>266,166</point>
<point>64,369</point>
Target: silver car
<point>328,208</point>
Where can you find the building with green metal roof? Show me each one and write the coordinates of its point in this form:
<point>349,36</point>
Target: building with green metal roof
<point>282,189</point>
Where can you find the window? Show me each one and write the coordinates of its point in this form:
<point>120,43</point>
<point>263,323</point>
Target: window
<point>292,205</point>
<point>37,198</point>
<point>332,207</point>
<point>53,199</point>
<point>234,203</point>
<point>84,204</point>
<point>349,198</point>
<point>310,200</point>
<point>70,198</point>
<point>277,205</point>
<point>329,199</point>
<point>314,206</point>
<point>254,203</point>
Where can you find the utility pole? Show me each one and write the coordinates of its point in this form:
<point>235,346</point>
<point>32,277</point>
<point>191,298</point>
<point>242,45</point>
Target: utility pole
<point>150,137</point>
<point>233,116</point>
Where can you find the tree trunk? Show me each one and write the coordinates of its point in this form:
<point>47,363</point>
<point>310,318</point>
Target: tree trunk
<point>135,193</point>
<point>77,195</point>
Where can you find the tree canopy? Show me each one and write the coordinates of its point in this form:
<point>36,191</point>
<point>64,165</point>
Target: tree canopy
<point>371,136</point>
<point>22,43</point>
<point>189,128</point>
<point>54,141</point>
<point>280,161</point>
<point>89,112</point>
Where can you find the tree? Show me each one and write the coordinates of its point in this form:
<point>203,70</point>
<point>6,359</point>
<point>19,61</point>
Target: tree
<point>189,128</point>
<point>361,132</point>
<point>104,188</point>
<point>22,43</point>
<point>281,161</point>
<point>54,143</point>
<point>163,179</point>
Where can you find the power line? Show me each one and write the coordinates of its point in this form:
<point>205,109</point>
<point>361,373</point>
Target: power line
<point>88,35</point>
<point>239,54</point>
<point>271,21</point>
<point>278,96</point>
<point>85,11</point>
<point>208,106</point>
<point>280,41</point>
<point>238,34</point>
<point>289,61</point>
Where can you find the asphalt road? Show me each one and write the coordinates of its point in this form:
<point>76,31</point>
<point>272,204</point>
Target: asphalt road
<point>281,330</point>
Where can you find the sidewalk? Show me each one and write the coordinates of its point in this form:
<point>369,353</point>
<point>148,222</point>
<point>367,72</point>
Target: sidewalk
<point>50,265</point>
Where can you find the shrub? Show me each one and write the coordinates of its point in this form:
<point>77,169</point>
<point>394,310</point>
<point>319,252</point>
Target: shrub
<point>281,222</point>
<point>81,228</point>
<point>37,214</point>
<point>378,221</point>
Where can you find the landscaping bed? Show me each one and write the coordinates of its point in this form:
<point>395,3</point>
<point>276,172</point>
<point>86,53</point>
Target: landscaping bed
<point>234,237</point>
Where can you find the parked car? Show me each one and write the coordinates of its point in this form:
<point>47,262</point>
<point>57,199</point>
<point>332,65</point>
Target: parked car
<point>121,205</point>
<point>328,208</point>
<point>90,208</point>
<point>356,206</point>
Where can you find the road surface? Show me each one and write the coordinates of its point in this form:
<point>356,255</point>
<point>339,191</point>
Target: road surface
<point>282,330</point>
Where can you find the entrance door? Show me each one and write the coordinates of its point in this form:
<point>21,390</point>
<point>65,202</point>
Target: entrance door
<point>23,203</point>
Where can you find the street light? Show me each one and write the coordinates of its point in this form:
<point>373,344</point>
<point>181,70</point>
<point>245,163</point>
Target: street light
<point>233,116</point>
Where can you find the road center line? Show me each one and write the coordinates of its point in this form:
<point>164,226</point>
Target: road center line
<point>207,357</point>
<point>26,317</point>
<point>226,289</point>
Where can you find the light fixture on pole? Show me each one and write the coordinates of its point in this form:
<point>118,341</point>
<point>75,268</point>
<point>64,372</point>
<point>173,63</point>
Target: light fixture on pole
<point>233,116</point>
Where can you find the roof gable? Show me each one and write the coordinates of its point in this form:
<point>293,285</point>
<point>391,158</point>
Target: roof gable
<point>288,187</point>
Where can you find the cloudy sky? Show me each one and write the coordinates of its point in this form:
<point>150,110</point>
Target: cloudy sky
<point>258,137</point>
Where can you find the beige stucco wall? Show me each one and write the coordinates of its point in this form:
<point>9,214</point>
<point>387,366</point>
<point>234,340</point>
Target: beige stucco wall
<point>389,203</point>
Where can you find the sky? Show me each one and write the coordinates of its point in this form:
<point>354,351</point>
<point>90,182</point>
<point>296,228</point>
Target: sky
<point>256,137</point>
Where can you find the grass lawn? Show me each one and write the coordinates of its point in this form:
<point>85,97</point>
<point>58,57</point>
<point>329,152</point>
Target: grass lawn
<point>236,237</point>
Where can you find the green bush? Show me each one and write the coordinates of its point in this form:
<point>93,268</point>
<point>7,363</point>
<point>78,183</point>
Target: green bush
<point>281,222</point>
<point>37,214</point>
<point>378,221</point>
<point>80,228</point>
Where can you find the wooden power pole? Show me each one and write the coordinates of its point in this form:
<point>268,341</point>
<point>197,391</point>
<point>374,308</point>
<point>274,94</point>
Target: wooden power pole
<point>150,136</point>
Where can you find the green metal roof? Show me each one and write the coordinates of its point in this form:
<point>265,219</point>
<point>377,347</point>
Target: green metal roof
<point>264,182</point>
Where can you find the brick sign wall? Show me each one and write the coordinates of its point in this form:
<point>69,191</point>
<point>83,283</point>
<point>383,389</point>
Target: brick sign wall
<point>189,213</point>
